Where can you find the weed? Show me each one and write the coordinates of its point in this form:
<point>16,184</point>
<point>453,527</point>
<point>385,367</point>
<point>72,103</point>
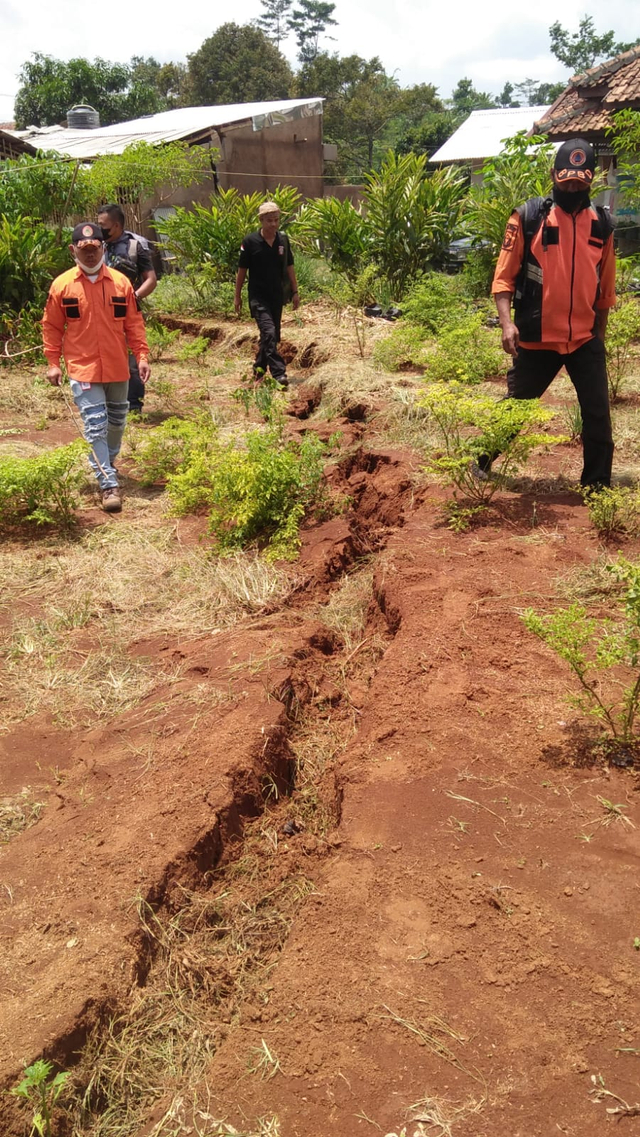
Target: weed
<point>194,351</point>
<point>159,453</point>
<point>405,347</point>
<point>623,327</point>
<point>614,811</point>
<point>596,654</point>
<point>42,1093</point>
<point>467,352</point>
<point>41,490</point>
<point>613,510</point>
<point>159,339</point>
<point>435,301</point>
<point>572,421</point>
<point>18,813</point>
<point>460,518</point>
<point>471,426</point>
<point>261,395</point>
<point>263,1061</point>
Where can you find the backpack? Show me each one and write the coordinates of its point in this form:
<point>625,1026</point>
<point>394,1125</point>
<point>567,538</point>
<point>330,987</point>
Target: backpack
<point>286,283</point>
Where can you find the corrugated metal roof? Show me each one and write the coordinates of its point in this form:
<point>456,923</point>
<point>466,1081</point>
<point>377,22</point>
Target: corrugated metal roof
<point>168,126</point>
<point>482,134</point>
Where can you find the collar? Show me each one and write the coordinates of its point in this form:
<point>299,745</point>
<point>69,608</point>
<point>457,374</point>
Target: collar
<point>78,274</point>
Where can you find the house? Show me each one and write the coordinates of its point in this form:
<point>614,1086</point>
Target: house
<point>12,147</point>
<point>258,145</point>
<point>482,135</point>
<point>585,109</point>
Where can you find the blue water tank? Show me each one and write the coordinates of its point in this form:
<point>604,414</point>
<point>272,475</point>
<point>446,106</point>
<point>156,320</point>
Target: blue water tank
<point>83,117</point>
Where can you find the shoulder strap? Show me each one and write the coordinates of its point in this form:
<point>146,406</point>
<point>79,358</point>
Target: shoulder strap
<point>606,222</point>
<point>133,249</point>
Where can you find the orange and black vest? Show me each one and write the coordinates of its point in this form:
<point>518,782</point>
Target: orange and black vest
<point>559,282</point>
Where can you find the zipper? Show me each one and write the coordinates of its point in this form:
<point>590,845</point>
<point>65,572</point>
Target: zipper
<point>573,275</point>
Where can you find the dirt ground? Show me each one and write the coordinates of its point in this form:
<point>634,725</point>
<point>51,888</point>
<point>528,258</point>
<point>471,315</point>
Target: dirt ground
<point>460,959</point>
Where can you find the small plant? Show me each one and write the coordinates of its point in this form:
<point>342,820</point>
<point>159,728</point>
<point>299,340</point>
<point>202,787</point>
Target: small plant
<point>572,422</point>
<point>473,425</point>
<point>435,301</point>
<point>194,351</point>
<point>614,511</point>
<point>603,657</point>
<point>41,490</point>
<point>405,347</point>
<point>159,453</point>
<point>159,339</point>
<point>259,394</point>
<point>263,1061</point>
<point>623,328</point>
<point>41,1092</point>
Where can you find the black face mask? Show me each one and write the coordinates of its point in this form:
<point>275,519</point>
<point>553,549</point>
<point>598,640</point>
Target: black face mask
<point>570,202</point>
<point>106,233</point>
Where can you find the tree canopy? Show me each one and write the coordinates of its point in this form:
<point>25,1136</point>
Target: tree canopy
<point>237,64</point>
<point>50,87</point>
<point>585,47</point>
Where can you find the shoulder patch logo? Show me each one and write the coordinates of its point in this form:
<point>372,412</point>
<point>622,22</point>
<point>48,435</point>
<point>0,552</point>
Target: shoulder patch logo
<point>510,237</point>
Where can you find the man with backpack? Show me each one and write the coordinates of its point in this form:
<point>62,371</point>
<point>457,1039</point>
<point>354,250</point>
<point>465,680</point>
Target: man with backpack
<point>266,255</point>
<point>128,253</point>
<point>557,268</point>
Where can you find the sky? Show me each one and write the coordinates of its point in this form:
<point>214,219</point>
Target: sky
<point>421,41</point>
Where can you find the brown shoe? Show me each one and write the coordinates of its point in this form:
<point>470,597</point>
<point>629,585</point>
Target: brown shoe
<point>111,500</point>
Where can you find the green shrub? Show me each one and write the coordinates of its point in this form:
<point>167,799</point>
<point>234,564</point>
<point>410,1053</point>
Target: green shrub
<point>467,351</point>
<point>405,347</point>
<point>31,255</point>
<point>614,511</point>
<point>212,235</point>
<point>194,350</point>
<point>159,339</point>
<point>471,425</point>
<point>603,656</point>
<point>520,171</point>
<point>336,230</point>
<point>199,294</point>
<point>254,489</point>
<point>41,490</point>
<point>158,453</point>
<point>623,328</point>
<point>435,300</point>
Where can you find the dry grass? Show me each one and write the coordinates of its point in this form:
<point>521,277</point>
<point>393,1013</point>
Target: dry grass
<point>26,397</point>
<point>116,585</point>
<point>346,610</point>
<point>435,1117</point>
<point>210,956</point>
<point>18,813</point>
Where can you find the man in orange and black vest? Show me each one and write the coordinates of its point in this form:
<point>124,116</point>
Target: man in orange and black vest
<point>557,268</point>
<point>92,319</point>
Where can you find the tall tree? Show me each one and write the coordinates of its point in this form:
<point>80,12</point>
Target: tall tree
<point>465,98</point>
<point>308,23</point>
<point>274,19</point>
<point>506,97</point>
<point>533,93</point>
<point>50,87</point>
<point>585,47</point>
<point>237,64</point>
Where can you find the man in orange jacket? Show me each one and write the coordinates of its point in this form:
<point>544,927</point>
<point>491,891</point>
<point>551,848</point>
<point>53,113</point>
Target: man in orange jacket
<point>91,317</point>
<point>557,267</point>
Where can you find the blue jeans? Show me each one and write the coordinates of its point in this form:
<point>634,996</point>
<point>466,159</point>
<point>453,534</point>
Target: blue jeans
<point>103,409</point>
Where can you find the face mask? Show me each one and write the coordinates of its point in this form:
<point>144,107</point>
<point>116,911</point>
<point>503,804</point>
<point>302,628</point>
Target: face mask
<point>94,268</point>
<point>570,202</point>
<point>106,233</point>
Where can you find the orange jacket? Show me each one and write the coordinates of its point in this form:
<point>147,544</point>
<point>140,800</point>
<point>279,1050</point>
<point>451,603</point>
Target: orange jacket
<point>93,325</point>
<point>578,275</point>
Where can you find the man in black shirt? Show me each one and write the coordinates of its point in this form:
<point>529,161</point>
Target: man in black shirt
<point>266,255</point>
<point>128,253</point>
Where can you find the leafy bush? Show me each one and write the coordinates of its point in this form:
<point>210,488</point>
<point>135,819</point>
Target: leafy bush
<point>159,339</point>
<point>472,425</point>
<point>336,230</point>
<point>194,350</point>
<point>41,490</point>
<point>467,351</point>
<point>31,255</point>
<point>158,453</point>
<point>604,657</point>
<point>614,510</point>
<point>199,294</point>
<point>255,489</point>
<point>411,217</point>
<point>212,235</point>
<point>435,300</point>
<point>405,347</point>
<point>623,327</point>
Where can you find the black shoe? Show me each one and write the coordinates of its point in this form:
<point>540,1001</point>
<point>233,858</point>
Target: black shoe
<point>136,408</point>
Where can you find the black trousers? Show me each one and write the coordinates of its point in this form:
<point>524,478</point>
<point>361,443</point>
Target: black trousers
<point>268,317</point>
<point>534,371</point>
<point>136,386</point>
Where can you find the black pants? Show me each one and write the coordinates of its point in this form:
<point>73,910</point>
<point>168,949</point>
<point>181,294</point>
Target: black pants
<point>531,374</point>
<point>136,386</point>
<point>267,317</point>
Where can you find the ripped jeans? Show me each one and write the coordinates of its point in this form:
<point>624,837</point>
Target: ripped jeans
<point>103,409</point>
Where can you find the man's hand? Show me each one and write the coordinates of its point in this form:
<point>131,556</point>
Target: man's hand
<point>510,337</point>
<point>237,304</point>
<point>144,371</point>
<point>295,301</point>
<point>54,375</point>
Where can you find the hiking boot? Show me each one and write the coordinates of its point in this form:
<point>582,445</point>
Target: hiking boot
<point>111,500</point>
<point>478,474</point>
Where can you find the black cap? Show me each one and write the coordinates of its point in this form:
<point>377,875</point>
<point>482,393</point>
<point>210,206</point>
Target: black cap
<point>575,160</point>
<point>86,231</point>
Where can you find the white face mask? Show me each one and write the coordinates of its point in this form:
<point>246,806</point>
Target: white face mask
<point>94,268</point>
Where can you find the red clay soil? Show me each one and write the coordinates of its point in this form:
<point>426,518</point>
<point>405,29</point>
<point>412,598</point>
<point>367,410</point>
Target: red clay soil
<point>465,944</point>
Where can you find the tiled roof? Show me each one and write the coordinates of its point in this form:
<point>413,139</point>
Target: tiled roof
<point>615,84</point>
